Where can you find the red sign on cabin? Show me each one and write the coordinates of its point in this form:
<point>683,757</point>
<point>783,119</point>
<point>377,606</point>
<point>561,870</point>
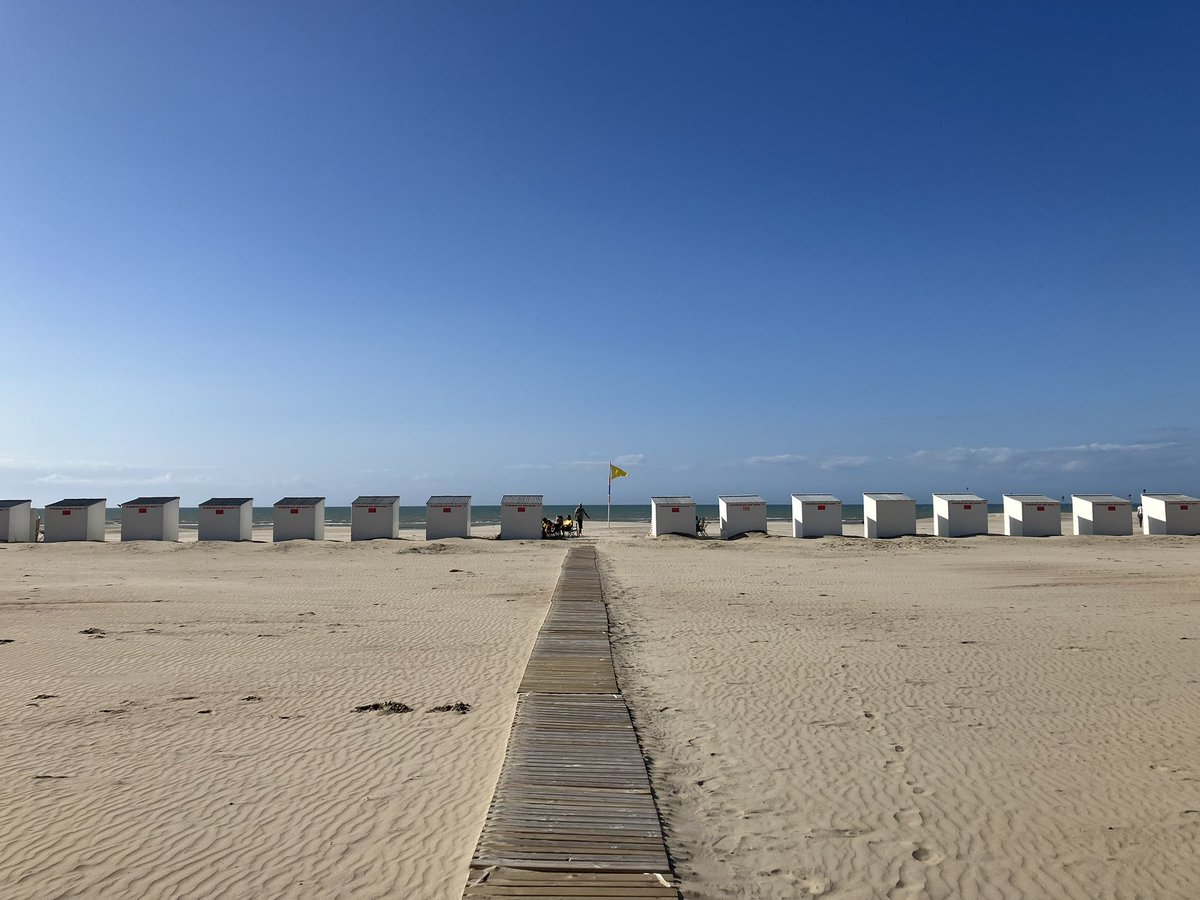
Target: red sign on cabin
<point>1183,506</point>
<point>1041,509</point>
<point>820,506</point>
<point>295,512</point>
<point>66,512</point>
<point>372,509</point>
<point>674,509</point>
<point>520,509</point>
<point>220,512</point>
<point>966,506</point>
<point>1112,509</point>
<point>141,509</point>
<point>445,509</point>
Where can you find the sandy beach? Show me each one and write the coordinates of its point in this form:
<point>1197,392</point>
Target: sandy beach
<point>202,741</point>
<point>983,717</point>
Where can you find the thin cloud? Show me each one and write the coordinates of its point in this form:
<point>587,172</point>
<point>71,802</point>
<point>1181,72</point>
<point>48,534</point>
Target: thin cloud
<point>96,466</point>
<point>629,459</point>
<point>778,459</point>
<point>164,479</point>
<point>821,462</point>
<point>1071,458</point>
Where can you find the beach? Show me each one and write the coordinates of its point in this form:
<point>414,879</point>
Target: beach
<point>202,740</point>
<point>918,717</point>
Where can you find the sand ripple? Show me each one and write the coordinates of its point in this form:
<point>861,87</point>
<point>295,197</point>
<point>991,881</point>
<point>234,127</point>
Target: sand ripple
<point>986,718</point>
<point>187,788</point>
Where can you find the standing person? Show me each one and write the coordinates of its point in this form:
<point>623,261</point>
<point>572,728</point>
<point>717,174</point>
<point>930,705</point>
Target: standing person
<point>580,515</point>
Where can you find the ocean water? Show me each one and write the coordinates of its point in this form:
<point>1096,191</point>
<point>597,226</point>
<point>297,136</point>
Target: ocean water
<point>414,516</point>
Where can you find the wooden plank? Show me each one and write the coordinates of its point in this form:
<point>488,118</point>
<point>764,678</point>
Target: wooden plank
<point>573,814</point>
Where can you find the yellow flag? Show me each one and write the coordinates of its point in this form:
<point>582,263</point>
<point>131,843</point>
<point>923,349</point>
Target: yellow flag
<point>614,472</point>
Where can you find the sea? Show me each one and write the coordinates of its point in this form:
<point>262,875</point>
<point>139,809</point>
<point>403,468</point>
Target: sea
<point>414,516</point>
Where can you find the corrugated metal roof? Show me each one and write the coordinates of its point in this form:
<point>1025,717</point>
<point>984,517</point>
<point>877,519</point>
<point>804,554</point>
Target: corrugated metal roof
<point>885,497</point>
<point>77,503</point>
<point>672,501</point>
<point>1173,498</point>
<point>389,500</point>
<point>300,501</point>
<point>227,501</point>
<point>9,504</point>
<point>1100,498</point>
<point>743,499</point>
<point>449,500</point>
<point>521,500</point>
<point>816,498</point>
<point>149,501</point>
<point>1031,498</point>
<point>961,498</point>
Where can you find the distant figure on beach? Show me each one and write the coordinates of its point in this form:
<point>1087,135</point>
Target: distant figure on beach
<point>1139,515</point>
<point>580,515</point>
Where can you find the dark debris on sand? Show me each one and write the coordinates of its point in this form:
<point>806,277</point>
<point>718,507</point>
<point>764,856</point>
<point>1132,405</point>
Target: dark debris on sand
<point>388,707</point>
<point>461,708</point>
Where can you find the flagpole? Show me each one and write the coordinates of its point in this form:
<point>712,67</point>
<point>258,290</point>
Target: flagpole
<point>610,495</point>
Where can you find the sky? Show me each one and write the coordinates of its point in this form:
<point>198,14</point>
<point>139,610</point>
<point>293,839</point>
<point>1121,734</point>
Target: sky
<point>344,248</point>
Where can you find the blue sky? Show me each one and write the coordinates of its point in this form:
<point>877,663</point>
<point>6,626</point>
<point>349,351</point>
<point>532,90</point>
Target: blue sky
<point>349,248</point>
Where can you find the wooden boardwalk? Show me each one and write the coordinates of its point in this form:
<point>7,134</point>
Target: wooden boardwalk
<point>573,814</point>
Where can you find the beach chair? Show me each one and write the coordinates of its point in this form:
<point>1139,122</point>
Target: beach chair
<point>701,525</point>
<point>568,528</point>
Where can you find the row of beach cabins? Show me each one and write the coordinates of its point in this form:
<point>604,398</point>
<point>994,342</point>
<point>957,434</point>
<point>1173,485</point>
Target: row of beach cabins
<point>885,515</point>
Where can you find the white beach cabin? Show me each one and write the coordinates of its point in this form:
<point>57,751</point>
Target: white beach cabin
<point>1101,514</point>
<point>1170,514</point>
<point>150,519</point>
<point>373,518</point>
<point>672,515</point>
<point>227,519</point>
<point>1032,515</point>
<point>449,516</point>
<point>299,519</point>
<point>17,522</point>
<point>74,520</point>
<point>959,515</point>
<point>741,514</point>
<point>816,515</point>
<point>887,515</point>
<point>521,517</point>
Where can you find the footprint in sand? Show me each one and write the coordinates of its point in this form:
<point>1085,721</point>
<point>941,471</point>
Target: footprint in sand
<point>910,818</point>
<point>927,856</point>
<point>814,886</point>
